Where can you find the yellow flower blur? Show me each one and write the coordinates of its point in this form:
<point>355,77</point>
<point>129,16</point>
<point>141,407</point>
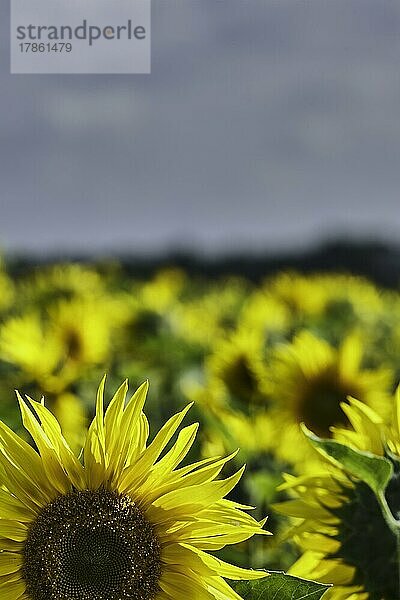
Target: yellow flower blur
<point>311,379</point>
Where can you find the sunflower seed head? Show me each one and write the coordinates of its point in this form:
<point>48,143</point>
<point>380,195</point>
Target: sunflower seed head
<point>92,544</point>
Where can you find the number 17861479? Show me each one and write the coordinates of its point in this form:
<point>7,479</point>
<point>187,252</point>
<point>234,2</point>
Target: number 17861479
<point>45,47</point>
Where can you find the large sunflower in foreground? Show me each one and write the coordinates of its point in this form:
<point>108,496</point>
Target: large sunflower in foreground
<point>125,523</point>
<point>343,533</point>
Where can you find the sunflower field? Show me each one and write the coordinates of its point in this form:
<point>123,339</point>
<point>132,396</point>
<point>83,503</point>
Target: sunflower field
<point>295,376</point>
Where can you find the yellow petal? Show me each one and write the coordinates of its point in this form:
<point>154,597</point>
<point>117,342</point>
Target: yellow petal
<point>132,476</point>
<point>13,530</point>
<point>52,429</point>
<point>12,590</point>
<point>50,461</point>
<point>9,562</point>
<point>181,587</point>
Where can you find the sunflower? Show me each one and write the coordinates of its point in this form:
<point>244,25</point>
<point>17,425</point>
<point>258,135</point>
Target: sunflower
<point>233,395</point>
<point>24,343</point>
<point>149,307</point>
<point>266,313</point>
<point>126,522</point>
<point>82,328</point>
<point>352,295</point>
<point>162,292</point>
<point>55,347</point>
<point>227,428</point>
<point>210,311</point>
<point>310,380</point>
<point>60,281</point>
<point>326,295</point>
<point>303,295</point>
<point>342,532</point>
<point>237,362</point>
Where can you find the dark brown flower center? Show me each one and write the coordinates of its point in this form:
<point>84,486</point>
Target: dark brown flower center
<point>320,404</point>
<point>90,545</point>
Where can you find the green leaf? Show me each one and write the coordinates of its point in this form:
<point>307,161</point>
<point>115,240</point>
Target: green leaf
<point>279,586</point>
<point>375,471</point>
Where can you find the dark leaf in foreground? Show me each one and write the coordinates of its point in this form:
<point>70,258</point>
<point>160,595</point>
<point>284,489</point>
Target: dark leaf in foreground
<point>279,586</point>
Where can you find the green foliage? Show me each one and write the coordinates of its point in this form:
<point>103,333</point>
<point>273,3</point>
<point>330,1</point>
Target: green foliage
<point>375,471</point>
<point>279,586</point>
<point>377,561</point>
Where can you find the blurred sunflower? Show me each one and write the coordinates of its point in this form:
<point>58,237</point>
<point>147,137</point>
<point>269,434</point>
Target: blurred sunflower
<point>162,292</point>
<point>82,329</point>
<point>233,394</point>
<point>237,362</point>
<point>25,344</point>
<point>362,297</point>
<point>351,302</point>
<point>343,534</point>
<point>310,379</point>
<point>61,281</point>
<point>331,303</point>
<point>232,429</point>
<point>125,523</point>
<point>263,312</point>
<point>148,308</point>
<point>55,347</point>
<point>226,426</point>
<point>211,312</point>
<point>303,295</point>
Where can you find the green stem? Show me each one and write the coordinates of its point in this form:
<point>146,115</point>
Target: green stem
<point>392,523</point>
<point>394,526</point>
<point>398,558</point>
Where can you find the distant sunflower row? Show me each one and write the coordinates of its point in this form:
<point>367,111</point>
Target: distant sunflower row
<point>257,359</point>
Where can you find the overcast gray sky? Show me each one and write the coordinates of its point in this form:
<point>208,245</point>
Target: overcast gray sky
<point>264,124</point>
